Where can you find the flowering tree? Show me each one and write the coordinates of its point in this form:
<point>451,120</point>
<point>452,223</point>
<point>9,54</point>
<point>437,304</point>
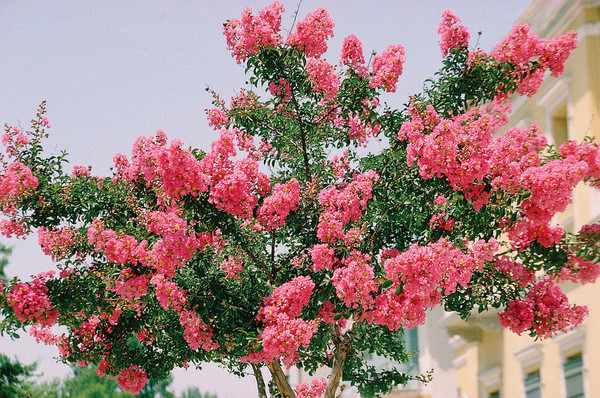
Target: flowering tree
<point>182,256</point>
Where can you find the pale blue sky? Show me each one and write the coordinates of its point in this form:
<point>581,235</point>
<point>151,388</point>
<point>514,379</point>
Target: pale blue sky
<point>112,70</point>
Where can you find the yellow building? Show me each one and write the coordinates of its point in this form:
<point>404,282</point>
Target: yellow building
<point>489,361</point>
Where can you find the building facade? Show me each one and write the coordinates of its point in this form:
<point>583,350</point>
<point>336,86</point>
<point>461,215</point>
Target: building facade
<point>491,362</point>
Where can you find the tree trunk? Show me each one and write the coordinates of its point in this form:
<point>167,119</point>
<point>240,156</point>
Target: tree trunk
<point>280,380</point>
<point>260,382</point>
<point>339,357</point>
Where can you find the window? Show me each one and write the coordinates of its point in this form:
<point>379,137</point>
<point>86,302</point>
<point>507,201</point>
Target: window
<point>572,353</point>
<point>573,373</point>
<point>531,363</point>
<point>532,385</point>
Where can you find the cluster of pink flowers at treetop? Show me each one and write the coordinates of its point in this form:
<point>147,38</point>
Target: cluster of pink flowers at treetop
<point>340,206</point>
<point>352,54</point>
<point>216,118</point>
<point>16,180</point>
<point>246,36</point>
<point>315,390</point>
<point>31,303</point>
<point>419,277</point>
<point>196,333</point>
<point>520,47</point>
<point>323,78</point>
<point>453,34</point>
<point>546,310</point>
<point>132,379</point>
<point>387,68</point>
<point>14,140</point>
<point>312,33</point>
<point>57,242</point>
<point>354,281</point>
<point>276,207</point>
<point>234,185</point>
<point>173,168</point>
<point>285,332</point>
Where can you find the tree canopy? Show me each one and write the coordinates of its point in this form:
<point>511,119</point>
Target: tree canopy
<point>289,244</point>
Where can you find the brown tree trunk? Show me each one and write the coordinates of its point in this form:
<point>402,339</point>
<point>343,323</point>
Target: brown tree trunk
<point>260,382</point>
<point>280,380</point>
<point>339,357</point>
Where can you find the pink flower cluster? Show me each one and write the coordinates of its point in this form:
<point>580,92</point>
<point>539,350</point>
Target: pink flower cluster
<point>130,286</point>
<point>520,47</point>
<point>322,256</point>
<point>387,68</point>
<point>57,242</point>
<point>168,294</point>
<point>174,169</point>
<point>196,333</point>
<point>276,207</point>
<point>284,330</point>
<point>9,228</point>
<point>578,270</point>
<point>31,303</point>
<point>14,141</point>
<point>354,281</point>
<point>323,78</point>
<point>233,185</point>
<point>16,181</point>
<point>315,390</point>
<point>457,148</point>
<point>546,310</point>
<point>515,271</point>
<point>420,275</point>
<point>232,267</point>
<point>453,34</point>
<point>216,118</point>
<point>312,33</point>
<point>340,206</point>
<point>281,89</point>
<point>132,379</point>
<point>358,129</point>
<point>352,54</point>
<point>247,35</point>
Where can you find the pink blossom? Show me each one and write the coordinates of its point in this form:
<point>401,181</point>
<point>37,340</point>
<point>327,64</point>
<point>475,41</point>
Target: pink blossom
<point>453,34</point>
<point>276,207</point>
<point>315,390</point>
<point>312,33</point>
<point>352,54</point>
<point>387,68</point>
<point>247,35</point>
<point>546,310</point>
<point>196,333</point>
<point>31,303</point>
<point>323,78</point>
<point>132,379</point>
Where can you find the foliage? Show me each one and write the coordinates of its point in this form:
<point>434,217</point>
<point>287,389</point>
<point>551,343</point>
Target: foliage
<point>184,256</point>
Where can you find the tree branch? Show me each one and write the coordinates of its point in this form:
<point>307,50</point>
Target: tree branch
<point>282,383</point>
<point>339,357</point>
<point>260,382</point>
